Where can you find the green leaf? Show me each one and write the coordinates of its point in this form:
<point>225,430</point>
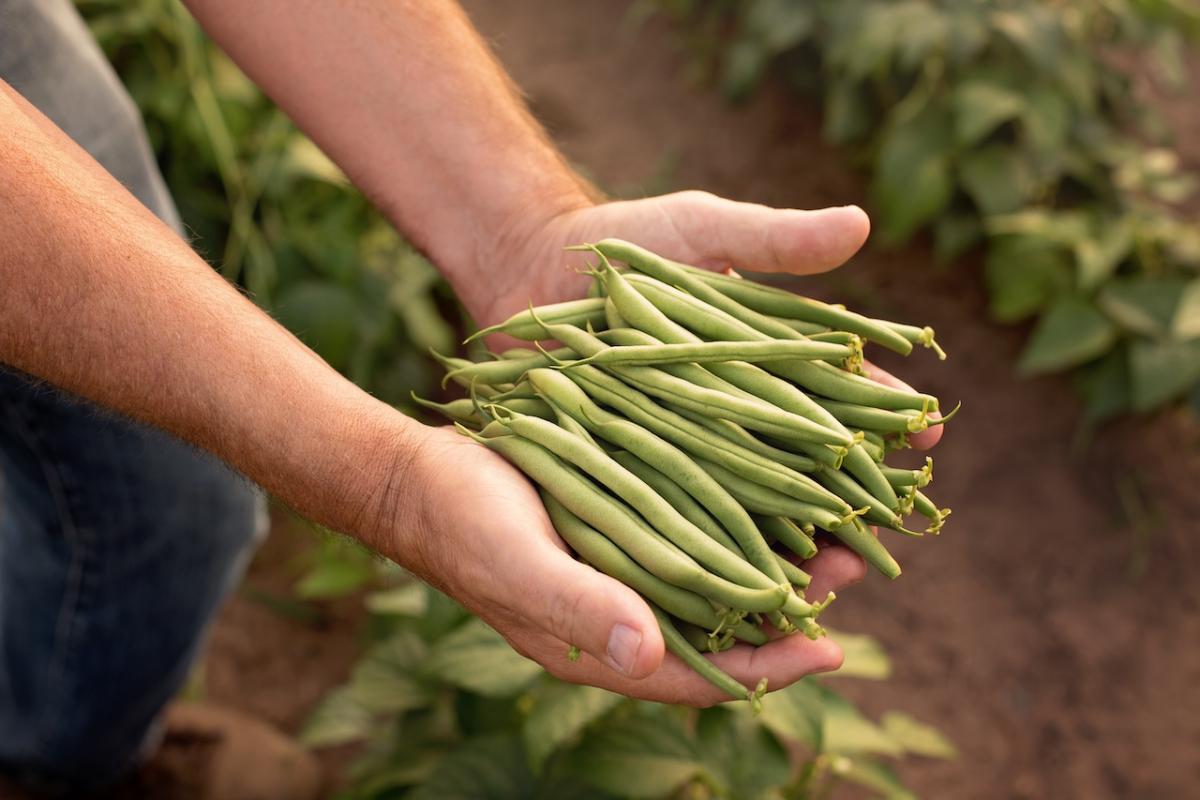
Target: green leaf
<point>335,577</point>
<point>639,756</point>
<point>1071,332</point>
<point>745,62</point>
<point>744,759</point>
<point>845,730</point>
<point>981,106</point>
<point>560,713</point>
<point>476,658</point>
<point>338,719</point>
<point>917,737</point>
<point>323,316</point>
<point>779,24</point>
<point>1186,324</point>
<point>1162,371</point>
<point>795,713</point>
<point>999,178</point>
<point>865,657</point>
<point>912,182</point>
<point>1046,119</point>
<point>874,775</point>
<point>1099,255</point>
<point>1143,304</point>
<point>485,768</point>
<point>409,600</point>
<point>954,235</point>
<point>1105,386</point>
<point>1023,273</point>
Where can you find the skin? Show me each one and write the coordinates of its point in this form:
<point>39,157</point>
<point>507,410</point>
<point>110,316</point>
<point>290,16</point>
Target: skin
<point>102,299</point>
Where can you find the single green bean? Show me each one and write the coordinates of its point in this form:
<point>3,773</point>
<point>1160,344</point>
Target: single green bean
<point>611,315</point>
<point>928,509</point>
<point>622,526</point>
<point>854,494</point>
<point>678,645</point>
<point>789,534</point>
<point>811,329</point>
<point>525,325</point>
<point>751,352</point>
<point>606,557</point>
<point>877,419</point>
<point>904,478</point>
<point>509,370</point>
<point>463,410</point>
<point>778,302</point>
<point>922,336</point>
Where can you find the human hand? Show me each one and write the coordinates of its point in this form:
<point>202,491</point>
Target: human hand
<point>476,529</point>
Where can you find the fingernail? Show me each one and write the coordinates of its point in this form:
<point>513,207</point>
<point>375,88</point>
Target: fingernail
<point>623,645</point>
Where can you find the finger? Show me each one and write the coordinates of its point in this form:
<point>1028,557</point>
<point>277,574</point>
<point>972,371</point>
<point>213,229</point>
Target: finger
<point>763,239</point>
<point>832,569</point>
<point>920,441</point>
<point>782,662</point>
<point>576,604</point>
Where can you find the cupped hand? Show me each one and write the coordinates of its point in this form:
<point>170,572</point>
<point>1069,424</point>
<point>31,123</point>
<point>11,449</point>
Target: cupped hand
<point>479,533</point>
<point>487,540</point>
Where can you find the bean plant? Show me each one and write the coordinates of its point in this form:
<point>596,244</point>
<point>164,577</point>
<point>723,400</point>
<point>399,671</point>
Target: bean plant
<point>1018,130</point>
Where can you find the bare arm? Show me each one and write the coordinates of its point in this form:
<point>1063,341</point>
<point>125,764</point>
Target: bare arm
<point>407,99</point>
<point>101,298</point>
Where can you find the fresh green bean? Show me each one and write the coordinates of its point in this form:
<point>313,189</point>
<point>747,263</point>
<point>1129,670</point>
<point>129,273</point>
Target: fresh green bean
<point>922,336</point>
<point>463,410</point>
<point>778,302</point>
<point>751,352</point>
<point>877,419</point>
<point>654,509</point>
<point>928,509</point>
<point>606,557</point>
<point>611,315</point>
<point>525,326</point>
<point>796,576</point>
<point>904,478</point>
<point>622,526</point>
<point>509,370</point>
<point>678,645</point>
<point>789,534</point>
<point>810,329</point>
<point>859,538</point>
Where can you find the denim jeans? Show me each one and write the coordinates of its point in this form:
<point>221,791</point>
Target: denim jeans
<point>117,541</point>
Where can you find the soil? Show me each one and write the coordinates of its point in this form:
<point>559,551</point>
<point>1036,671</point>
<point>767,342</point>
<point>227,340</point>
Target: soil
<point>1050,632</point>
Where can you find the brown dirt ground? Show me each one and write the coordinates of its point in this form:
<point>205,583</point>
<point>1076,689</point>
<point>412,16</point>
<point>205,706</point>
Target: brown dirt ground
<point>1050,632</point>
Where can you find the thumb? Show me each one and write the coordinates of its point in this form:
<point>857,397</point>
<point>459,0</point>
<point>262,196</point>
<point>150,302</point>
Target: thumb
<point>763,239</point>
<point>599,615</point>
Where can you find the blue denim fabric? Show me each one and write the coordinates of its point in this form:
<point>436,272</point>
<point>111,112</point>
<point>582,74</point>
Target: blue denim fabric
<point>117,542</point>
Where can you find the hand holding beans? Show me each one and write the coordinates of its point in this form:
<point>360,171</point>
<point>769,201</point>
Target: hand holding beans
<point>684,402</point>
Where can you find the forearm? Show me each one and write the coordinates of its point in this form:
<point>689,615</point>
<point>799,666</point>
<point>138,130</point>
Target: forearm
<point>404,95</point>
<point>102,299</point>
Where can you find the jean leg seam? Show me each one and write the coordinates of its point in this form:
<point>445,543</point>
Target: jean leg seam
<point>77,580</point>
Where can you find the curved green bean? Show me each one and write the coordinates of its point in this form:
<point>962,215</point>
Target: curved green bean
<point>525,325</point>
<point>680,646</point>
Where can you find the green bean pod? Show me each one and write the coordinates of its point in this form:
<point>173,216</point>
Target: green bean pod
<point>904,478</point>
<point>789,534</point>
<point>922,336</point>
<point>778,302</point>
<point>508,370</point>
<point>877,419</point>
<point>751,352</point>
<point>525,325</point>
<point>463,410</point>
<point>622,526</point>
<point>606,557</point>
<point>679,646</point>
<point>846,487</point>
<point>928,509</point>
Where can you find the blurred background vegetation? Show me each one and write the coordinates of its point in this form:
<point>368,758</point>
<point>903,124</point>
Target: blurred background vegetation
<point>1006,131</point>
<point>1015,128</point>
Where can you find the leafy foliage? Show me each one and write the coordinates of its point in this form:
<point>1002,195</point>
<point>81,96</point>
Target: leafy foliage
<point>265,205</point>
<point>449,710</point>
<point>1011,125</point>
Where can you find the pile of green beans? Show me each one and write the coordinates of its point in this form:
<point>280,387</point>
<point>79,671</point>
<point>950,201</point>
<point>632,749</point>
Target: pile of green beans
<point>691,433</point>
